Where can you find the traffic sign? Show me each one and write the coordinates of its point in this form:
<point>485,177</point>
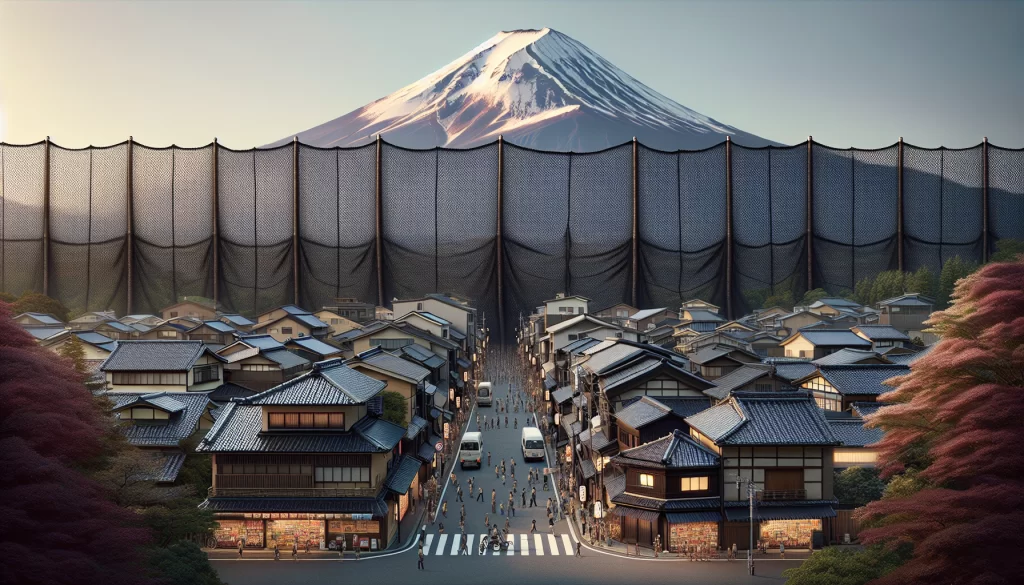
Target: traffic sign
<point>439,446</point>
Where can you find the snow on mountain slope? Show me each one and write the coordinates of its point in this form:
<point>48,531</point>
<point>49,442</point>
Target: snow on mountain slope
<point>537,88</point>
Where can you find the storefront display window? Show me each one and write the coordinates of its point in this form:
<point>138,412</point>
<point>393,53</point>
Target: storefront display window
<point>345,529</point>
<point>229,532</point>
<point>403,505</point>
<point>692,534</point>
<point>285,532</point>
<point>792,533</point>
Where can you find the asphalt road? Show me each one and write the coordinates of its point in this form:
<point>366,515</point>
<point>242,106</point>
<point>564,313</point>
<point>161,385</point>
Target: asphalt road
<point>534,558</point>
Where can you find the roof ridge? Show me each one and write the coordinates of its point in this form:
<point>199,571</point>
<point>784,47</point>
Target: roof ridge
<point>218,426</point>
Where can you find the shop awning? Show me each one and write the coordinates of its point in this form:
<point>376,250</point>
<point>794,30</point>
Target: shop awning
<point>457,380</point>
<point>298,505</point>
<point>464,363</point>
<point>648,515</point>
<point>691,517</point>
<point>780,513</point>
<point>549,382</point>
<point>426,452</point>
<point>402,474</point>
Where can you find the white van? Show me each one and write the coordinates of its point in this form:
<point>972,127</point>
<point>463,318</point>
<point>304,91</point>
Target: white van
<point>533,443</point>
<point>484,394</point>
<point>471,450</point>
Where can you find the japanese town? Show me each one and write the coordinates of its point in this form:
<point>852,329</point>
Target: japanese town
<point>525,319</point>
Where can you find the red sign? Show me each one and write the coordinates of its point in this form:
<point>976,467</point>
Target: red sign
<point>439,446</point>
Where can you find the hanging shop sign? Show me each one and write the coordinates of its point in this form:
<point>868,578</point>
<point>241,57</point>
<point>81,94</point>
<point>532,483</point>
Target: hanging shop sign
<point>583,493</point>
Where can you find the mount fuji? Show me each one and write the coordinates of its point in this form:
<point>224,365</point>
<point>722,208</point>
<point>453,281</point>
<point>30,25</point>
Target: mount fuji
<point>536,88</point>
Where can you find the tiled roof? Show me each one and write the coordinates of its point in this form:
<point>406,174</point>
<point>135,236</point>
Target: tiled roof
<point>737,379</point>
<point>218,326</point>
<point>708,353</point>
<point>164,355</point>
<point>44,318</point>
<point>614,353</point>
<point>764,418</point>
<point>172,465</point>
<point>374,506</point>
<point>426,452</point>
<point>615,484</point>
<point>571,425</point>
<point>909,358</point>
<point>329,382</point>
<point>310,321</point>
<point>702,315</point>
<point>863,409</point>
<point>645,313</point>
<point>185,408</point>
<point>882,333</point>
<point>835,302</point>
<point>692,517</point>
<point>642,412</point>
<point>225,392</point>
<point>286,359</point>
<point>464,363</point>
<point>44,332</point>
<point>314,345</point>
<point>908,300</point>
<point>853,433</point>
<point>847,356</point>
<point>92,338</point>
<point>264,342</point>
<point>402,473</point>
<point>238,320</point>
<point>587,468</point>
<point>242,354</point>
<point>834,338</point>
<point>423,356</point>
<point>389,362</point>
<point>791,371</point>
<point>417,424</point>
<point>862,378</point>
<point>645,365</point>
<point>118,325</point>
<point>577,347</point>
<point>675,451</point>
<point>349,335</point>
<point>789,512</point>
<point>684,407</point>
<point>140,327</point>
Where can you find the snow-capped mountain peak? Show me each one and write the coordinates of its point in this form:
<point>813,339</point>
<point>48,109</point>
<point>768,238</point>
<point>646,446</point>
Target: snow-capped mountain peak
<point>537,88</point>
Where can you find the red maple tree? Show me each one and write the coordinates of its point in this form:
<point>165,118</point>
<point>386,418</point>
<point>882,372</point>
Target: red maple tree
<point>956,433</point>
<point>59,526</point>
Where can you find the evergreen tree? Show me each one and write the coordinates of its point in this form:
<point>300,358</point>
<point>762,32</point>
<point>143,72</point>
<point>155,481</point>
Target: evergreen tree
<point>1007,250</point>
<point>953,270</point>
<point>862,291</point>
<point>921,281</point>
<point>396,408</point>
<point>33,302</point>
<point>887,285</point>
<point>812,296</point>
<point>73,350</point>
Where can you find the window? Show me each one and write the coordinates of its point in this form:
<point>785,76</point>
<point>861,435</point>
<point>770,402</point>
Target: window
<point>306,420</point>
<point>174,314</point>
<point>646,480</point>
<point>763,387</point>
<point>573,337</point>
<point>562,309</point>
<point>883,343</point>
<point>150,378</point>
<point>167,334</point>
<point>708,371</point>
<point>207,373</point>
<point>286,330</point>
<point>258,368</point>
<point>341,474</point>
<point>694,484</point>
<point>390,343</point>
<point>621,313</point>
<point>803,353</point>
<point>335,321</point>
<point>142,413</point>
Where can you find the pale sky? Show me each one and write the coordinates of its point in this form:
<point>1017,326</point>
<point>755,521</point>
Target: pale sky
<point>851,74</point>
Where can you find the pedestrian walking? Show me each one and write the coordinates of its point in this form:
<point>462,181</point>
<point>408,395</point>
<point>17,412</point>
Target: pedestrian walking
<point>514,482</point>
<point>512,508</point>
<point>502,479</point>
<point>524,497</point>
<point>295,551</point>
<point>502,509</point>
<point>533,526</point>
<point>487,520</point>
<point>782,549</point>
<point>453,478</point>
<point>506,421</point>
<point>307,546</point>
<point>458,494</point>
<point>480,495</point>
<point>444,508</point>
<point>533,497</point>
<point>277,552</point>
<point>579,548</point>
<point>440,529</point>
<point>488,459</point>
<point>241,545</point>
<point>463,548</point>
<point>497,471</point>
<point>515,423</point>
<point>419,563</point>
<point>551,524</point>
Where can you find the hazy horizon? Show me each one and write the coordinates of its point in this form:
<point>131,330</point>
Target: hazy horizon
<point>850,74</point>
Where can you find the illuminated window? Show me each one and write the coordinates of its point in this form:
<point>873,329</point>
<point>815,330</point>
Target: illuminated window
<point>646,480</point>
<point>694,484</point>
<point>306,420</point>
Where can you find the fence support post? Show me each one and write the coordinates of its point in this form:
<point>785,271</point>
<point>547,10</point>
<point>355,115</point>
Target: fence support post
<point>130,260</point>
<point>728,226</point>
<point>216,224</point>
<point>984,202</point>
<point>46,217</point>
<point>809,230</point>
<point>500,243</point>
<point>380,229</point>
<point>295,220</point>
<point>899,206</point>
<point>636,220</point>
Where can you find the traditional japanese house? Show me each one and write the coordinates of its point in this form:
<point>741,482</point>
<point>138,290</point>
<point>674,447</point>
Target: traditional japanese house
<point>718,360</point>
<point>816,343</point>
<point>148,367</point>
<point>196,308</point>
<point>835,388</point>
<point>882,337</point>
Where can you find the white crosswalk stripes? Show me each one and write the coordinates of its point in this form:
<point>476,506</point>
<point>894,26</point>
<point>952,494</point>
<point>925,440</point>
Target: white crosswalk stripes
<point>456,540</point>
<point>538,544</point>
<point>552,544</point>
<point>426,543</point>
<point>518,544</point>
<point>441,541</point>
<point>524,545</point>
<point>567,543</point>
<point>511,544</point>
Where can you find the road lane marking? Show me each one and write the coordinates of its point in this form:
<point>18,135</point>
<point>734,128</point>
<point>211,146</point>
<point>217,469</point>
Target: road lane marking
<point>553,545</point>
<point>456,540</point>
<point>427,543</point>
<point>469,543</point>
<point>441,541</point>
<point>524,543</point>
<point>567,543</point>
<point>483,538</point>
<point>538,543</point>
<point>511,545</point>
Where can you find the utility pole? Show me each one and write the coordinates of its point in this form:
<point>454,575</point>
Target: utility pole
<point>751,490</point>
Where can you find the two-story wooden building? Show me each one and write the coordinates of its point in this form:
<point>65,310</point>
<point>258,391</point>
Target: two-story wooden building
<point>162,366</point>
<point>309,460</point>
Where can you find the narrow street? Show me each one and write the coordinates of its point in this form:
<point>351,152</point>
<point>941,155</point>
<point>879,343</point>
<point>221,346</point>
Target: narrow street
<point>531,555</point>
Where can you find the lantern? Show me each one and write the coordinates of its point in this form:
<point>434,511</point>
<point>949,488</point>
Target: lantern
<point>474,356</point>
<point>458,402</point>
<point>557,418</point>
<point>446,430</point>
<point>583,493</point>
<point>465,376</point>
<point>451,394</point>
<point>547,395</point>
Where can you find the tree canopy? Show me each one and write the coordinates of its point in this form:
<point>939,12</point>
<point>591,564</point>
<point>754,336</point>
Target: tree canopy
<point>396,408</point>
<point>33,302</point>
<point>953,435</point>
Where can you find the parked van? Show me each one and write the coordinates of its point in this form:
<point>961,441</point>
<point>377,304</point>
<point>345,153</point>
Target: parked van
<point>533,443</point>
<point>483,394</point>
<point>471,450</point>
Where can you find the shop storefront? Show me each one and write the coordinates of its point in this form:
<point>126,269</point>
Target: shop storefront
<point>264,530</point>
<point>792,533</point>
<point>301,530</point>
<point>229,532</point>
<point>361,526</point>
<point>689,534</point>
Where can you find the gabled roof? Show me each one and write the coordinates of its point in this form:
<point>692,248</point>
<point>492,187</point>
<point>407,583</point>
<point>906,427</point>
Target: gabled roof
<point>687,406</point>
<point>881,333</point>
<point>286,359</point>
<point>646,365</point>
<point>853,379</point>
<point>834,302</point>
<point>844,338</point>
<point>848,356</point>
<point>391,364</point>
<point>155,355</point>
<point>863,409</point>
<point>642,412</point>
<point>201,301</point>
<point>185,410</point>
<point>713,352</point>
<point>42,333</point>
<point>330,382</point>
<point>313,345</point>
<point>129,319</point>
<point>43,318</point>
<point>567,297</point>
<point>218,326</point>
<point>93,338</point>
<point>117,325</point>
<point>402,473</point>
<point>412,330</point>
<point>791,369</point>
<point>645,313</point>
<point>908,300</point>
<point>909,358</point>
<point>562,395</point>
<point>674,451</point>
<point>304,318</point>
<point>736,379</point>
<point>701,315</point>
<point>238,320</point>
<point>853,433</point>
<point>229,390</point>
<point>264,341</point>
<point>764,418</point>
<point>423,356</point>
<point>579,319</point>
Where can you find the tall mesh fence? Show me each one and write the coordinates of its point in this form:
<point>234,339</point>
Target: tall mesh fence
<point>566,222</point>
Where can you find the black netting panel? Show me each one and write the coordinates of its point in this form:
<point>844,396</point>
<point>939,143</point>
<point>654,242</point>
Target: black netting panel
<point>942,204</point>
<point>682,226</point>
<point>769,211</point>
<point>255,208</point>
<point>534,220</point>
<point>1005,194</point>
<point>467,219</point>
<point>88,225</point>
<point>855,215</point>
<point>601,226</point>
<point>337,225</point>
<point>21,218</point>
<point>409,183</point>
<point>172,224</point>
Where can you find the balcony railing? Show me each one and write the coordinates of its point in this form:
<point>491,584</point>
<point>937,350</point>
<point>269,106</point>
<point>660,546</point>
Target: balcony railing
<point>219,492</point>
<point>782,495</point>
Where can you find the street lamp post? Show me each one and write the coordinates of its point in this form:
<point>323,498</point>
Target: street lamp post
<point>751,490</point>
